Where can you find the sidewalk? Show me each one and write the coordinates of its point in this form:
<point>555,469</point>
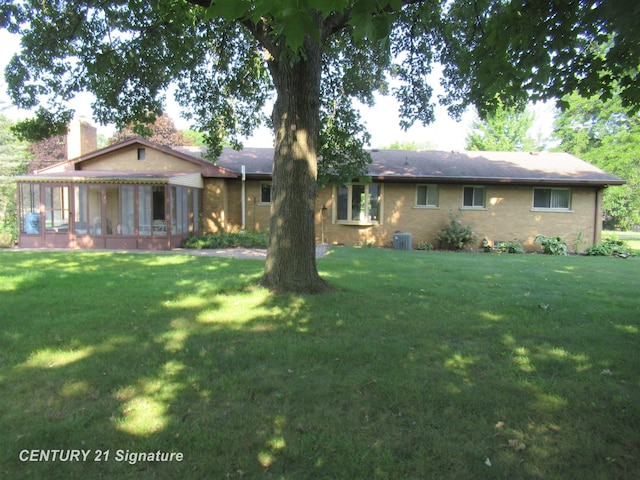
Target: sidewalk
<point>245,253</point>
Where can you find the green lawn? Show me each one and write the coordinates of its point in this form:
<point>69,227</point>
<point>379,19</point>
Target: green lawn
<point>419,365</point>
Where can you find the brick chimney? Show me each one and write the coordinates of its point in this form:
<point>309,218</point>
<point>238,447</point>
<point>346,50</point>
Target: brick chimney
<point>82,138</point>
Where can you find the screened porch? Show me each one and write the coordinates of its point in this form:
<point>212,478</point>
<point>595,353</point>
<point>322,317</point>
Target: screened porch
<point>135,211</point>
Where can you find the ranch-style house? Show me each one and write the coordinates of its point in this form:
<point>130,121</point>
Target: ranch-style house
<point>140,195</point>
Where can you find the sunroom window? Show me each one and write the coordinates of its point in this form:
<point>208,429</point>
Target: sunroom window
<point>358,203</point>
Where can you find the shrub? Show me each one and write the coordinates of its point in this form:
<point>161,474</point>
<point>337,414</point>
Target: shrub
<point>425,246</point>
<point>610,246</point>
<point>6,239</point>
<point>509,247</point>
<point>455,236</point>
<point>227,240</point>
<point>552,245</point>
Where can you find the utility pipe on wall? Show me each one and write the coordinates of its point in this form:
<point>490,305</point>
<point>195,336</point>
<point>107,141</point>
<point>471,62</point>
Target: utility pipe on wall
<point>244,200</point>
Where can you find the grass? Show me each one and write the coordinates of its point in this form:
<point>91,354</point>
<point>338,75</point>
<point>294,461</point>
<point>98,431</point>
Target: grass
<point>418,365</point>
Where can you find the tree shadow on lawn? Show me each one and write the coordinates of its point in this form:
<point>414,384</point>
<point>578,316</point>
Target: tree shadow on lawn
<point>245,384</point>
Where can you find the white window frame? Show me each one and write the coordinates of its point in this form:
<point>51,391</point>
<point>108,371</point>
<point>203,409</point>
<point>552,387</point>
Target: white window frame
<point>365,217</point>
<point>551,207</point>
<point>430,188</point>
<point>474,206</point>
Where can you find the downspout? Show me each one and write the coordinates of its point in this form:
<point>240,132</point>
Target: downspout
<point>244,201</point>
<point>597,227</point>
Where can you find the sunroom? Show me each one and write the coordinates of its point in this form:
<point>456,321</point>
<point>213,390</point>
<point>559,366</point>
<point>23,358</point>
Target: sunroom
<point>108,210</point>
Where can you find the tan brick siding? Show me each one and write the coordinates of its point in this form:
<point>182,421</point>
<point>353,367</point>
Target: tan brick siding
<point>509,215</point>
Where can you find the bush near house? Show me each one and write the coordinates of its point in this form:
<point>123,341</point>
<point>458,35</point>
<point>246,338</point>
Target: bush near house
<point>552,245</point>
<point>610,246</point>
<point>455,236</point>
<point>228,240</point>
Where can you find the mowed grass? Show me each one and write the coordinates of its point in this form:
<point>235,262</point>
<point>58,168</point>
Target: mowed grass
<point>419,365</point>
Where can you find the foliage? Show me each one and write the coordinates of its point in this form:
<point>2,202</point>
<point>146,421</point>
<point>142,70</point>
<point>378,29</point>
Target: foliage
<point>227,240</point>
<point>14,158</point>
<point>455,236</point>
<point>148,352</point>
<point>47,152</point>
<point>610,246</point>
<point>517,51</point>
<point>426,246</point>
<point>602,132</point>
<point>552,245</point>
<point>504,130</point>
<point>163,132</point>
<point>509,247</point>
<point>409,145</point>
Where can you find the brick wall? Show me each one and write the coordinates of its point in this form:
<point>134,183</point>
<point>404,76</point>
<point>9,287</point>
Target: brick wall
<point>509,215</point>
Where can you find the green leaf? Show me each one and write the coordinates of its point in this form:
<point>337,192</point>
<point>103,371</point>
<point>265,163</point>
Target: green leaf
<point>229,10</point>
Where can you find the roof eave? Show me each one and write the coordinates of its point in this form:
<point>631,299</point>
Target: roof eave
<point>498,180</point>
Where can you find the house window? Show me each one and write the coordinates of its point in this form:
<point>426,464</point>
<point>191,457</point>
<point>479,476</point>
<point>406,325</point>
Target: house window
<point>427,196</point>
<point>358,203</point>
<point>265,193</point>
<point>142,154</point>
<point>552,198</point>
<point>473,197</point>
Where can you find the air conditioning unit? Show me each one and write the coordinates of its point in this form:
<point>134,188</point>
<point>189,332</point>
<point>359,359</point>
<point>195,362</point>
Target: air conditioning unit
<point>402,241</point>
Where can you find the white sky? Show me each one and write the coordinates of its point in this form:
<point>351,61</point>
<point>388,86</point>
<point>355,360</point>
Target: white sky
<point>381,120</point>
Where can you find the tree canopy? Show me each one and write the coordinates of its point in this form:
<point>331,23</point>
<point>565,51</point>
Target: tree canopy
<point>604,133</point>
<point>229,57</point>
<point>163,132</point>
<point>506,130</point>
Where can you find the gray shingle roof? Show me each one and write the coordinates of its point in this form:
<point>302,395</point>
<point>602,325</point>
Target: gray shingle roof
<point>438,166</point>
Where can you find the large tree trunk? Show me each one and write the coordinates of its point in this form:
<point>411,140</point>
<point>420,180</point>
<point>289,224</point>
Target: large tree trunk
<point>291,259</point>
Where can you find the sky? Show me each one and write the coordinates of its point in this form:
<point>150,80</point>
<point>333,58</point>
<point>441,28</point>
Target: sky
<point>382,120</point>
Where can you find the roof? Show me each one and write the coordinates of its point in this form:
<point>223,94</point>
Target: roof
<point>207,168</point>
<point>524,168</point>
<point>452,167</point>
<point>258,161</point>
<point>488,167</point>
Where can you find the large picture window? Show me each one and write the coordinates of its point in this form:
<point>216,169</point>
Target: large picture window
<point>358,203</point>
<point>552,198</point>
